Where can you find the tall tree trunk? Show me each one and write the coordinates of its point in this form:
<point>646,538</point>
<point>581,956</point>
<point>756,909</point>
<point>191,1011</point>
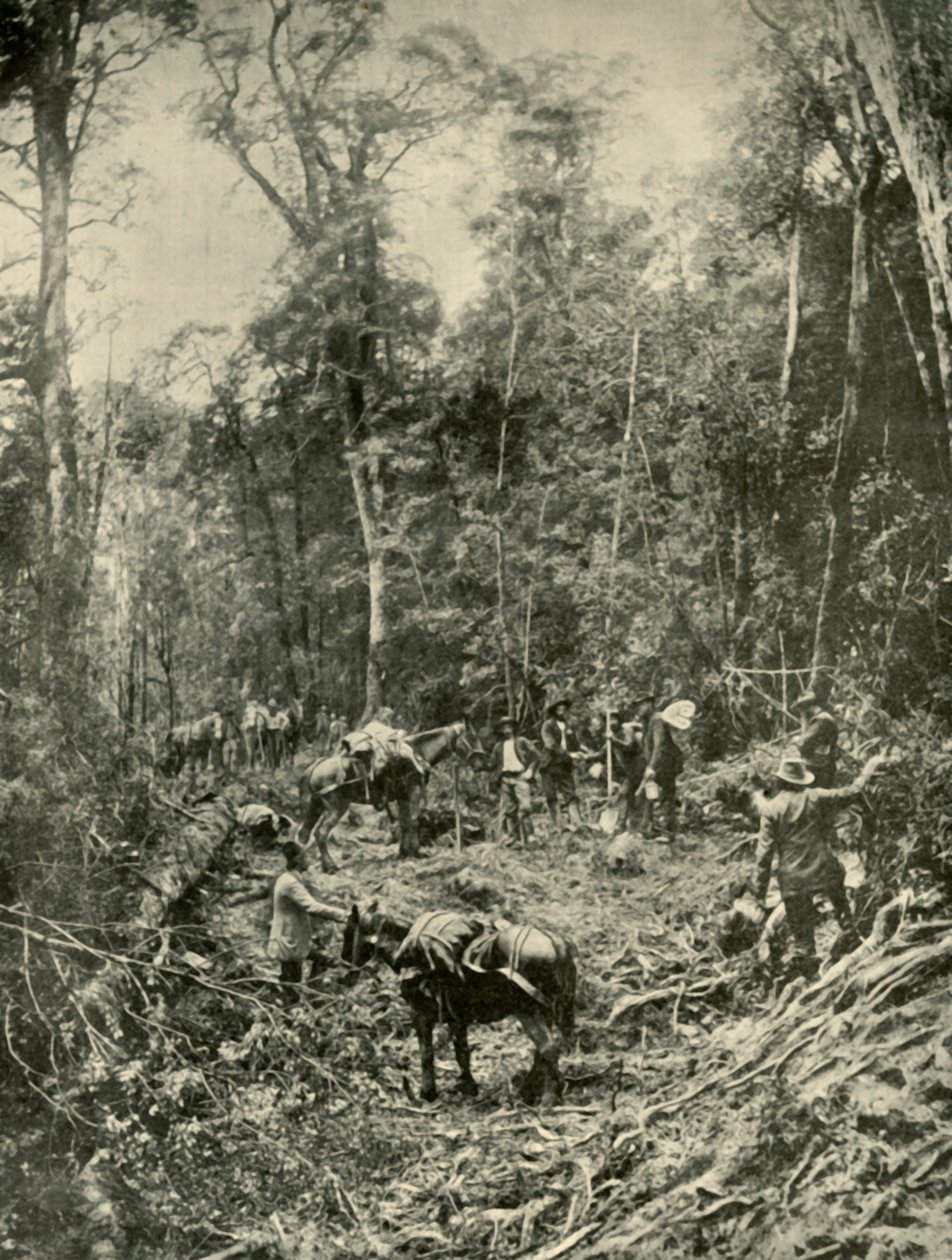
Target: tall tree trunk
<point>368,494</point>
<point>302,590</point>
<point>845,469</point>
<point>279,584</point>
<point>914,108</point>
<point>62,596</point>
<point>941,320</point>
<point>793,308</point>
<point>622,479</point>
<point>936,443</point>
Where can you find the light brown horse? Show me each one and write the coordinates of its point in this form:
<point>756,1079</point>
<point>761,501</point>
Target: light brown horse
<point>332,784</point>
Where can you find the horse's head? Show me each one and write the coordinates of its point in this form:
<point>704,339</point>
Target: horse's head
<point>469,744</point>
<point>360,936</point>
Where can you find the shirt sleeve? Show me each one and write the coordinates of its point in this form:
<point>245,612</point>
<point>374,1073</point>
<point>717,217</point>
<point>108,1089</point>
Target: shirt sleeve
<point>763,858</point>
<point>297,893</point>
<point>848,792</point>
<point>550,737</point>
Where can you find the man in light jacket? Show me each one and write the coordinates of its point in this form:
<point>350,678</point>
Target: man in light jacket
<point>513,760</point>
<point>290,941</point>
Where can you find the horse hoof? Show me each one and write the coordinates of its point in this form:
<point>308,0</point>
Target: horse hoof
<point>428,1095</point>
<point>467,1089</point>
<point>329,868</point>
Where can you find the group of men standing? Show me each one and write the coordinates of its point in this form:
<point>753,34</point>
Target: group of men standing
<point>643,754</point>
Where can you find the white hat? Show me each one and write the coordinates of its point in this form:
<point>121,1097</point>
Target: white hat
<point>679,714</point>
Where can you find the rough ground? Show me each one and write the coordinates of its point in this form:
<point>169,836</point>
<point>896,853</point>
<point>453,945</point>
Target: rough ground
<point>704,1115</point>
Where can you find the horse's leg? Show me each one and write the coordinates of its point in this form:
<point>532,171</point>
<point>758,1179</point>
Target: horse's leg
<point>334,807</point>
<point>467,1084</point>
<point>548,1046</point>
<point>409,843</point>
<point>423,1027</point>
<point>318,833</point>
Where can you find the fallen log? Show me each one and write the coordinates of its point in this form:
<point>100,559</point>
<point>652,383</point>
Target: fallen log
<point>175,868</point>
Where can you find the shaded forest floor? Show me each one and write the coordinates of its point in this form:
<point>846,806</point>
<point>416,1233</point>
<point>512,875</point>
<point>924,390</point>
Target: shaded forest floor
<point>704,1112</point>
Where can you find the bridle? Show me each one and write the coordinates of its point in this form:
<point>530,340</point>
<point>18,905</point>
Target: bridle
<point>465,747</point>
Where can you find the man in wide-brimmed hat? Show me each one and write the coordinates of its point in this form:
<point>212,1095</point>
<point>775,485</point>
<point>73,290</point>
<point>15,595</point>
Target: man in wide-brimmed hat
<point>560,750</point>
<point>816,741</point>
<point>664,762</point>
<point>794,828</point>
<point>514,760</point>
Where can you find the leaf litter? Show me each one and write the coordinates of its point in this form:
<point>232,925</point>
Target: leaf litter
<point>705,1112</point>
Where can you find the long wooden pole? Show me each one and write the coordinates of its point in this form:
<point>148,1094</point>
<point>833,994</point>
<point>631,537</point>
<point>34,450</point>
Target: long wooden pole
<point>622,479</point>
<point>456,809</point>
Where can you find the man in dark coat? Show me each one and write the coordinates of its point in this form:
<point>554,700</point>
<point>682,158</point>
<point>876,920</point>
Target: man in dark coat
<point>794,829</point>
<point>513,761</point>
<point>560,750</point>
<point>625,747</point>
<point>665,761</point>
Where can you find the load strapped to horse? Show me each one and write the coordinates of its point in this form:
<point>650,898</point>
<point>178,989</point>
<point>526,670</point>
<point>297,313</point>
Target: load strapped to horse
<point>460,970</point>
<point>380,751</point>
<point>378,765</point>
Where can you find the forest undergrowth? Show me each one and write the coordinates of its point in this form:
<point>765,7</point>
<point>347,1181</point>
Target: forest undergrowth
<point>706,1111</point>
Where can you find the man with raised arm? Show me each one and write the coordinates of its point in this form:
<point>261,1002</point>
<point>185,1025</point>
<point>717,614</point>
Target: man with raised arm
<point>794,829</point>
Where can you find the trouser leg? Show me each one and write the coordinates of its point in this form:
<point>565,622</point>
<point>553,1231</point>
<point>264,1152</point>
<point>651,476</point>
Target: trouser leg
<point>801,923</point>
<point>292,973</point>
<point>522,798</point>
<point>668,808</point>
<point>508,811</point>
<point>841,906</point>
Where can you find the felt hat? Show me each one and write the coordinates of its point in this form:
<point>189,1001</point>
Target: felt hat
<point>557,701</point>
<point>804,701</point>
<point>792,770</point>
<point>272,703</point>
<point>679,714</point>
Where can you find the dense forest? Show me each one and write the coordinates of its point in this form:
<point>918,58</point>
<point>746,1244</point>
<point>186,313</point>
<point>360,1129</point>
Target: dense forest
<point>694,441</point>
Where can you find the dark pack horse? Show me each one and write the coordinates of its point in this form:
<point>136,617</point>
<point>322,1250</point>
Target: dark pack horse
<point>462,971</point>
<point>331,785</point>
